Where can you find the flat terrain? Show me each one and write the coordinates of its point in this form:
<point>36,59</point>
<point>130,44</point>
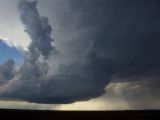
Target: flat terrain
<point>81,115</point>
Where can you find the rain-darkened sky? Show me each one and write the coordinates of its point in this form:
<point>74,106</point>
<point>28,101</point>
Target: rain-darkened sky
<point>80,54</point>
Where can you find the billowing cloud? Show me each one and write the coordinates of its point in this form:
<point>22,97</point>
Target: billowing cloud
<point>101,40</point>
<point>76,80</point>
<point>7,70</point>
<point>37,27</point>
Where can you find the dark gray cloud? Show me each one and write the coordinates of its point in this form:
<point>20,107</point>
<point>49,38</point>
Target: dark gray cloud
<point>7,70</point>
<point>109,38</point>
<point>37,27</point>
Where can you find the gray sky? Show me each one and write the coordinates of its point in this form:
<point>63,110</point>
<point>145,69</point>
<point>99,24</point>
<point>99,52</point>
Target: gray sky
<point>11,26</point>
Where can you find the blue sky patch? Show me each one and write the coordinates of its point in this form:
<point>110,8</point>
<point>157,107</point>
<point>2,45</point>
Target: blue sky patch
<point>7,52</point>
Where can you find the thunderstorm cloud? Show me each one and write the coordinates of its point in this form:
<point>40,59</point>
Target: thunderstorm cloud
<point>105,43</point>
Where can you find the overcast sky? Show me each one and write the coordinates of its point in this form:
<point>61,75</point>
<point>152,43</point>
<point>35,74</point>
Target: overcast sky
<point>80,54</point>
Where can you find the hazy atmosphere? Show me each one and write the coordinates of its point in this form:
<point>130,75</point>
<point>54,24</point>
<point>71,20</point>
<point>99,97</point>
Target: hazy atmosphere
<point>80,54</point>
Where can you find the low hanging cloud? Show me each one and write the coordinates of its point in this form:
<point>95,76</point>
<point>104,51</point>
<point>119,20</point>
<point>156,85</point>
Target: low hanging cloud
<point>120,41</point>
